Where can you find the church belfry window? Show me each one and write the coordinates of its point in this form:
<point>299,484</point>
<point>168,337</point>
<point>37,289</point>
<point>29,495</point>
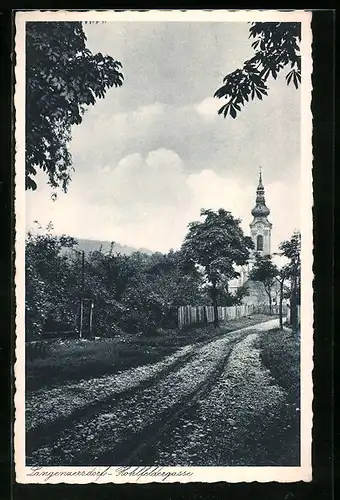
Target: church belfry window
<point>259,243</point>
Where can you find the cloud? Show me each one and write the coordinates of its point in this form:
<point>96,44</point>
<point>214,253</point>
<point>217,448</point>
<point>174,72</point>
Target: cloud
<point>263,134</point>
<point>148,201</point>
<point>156,179</point>
<point>208,108</point>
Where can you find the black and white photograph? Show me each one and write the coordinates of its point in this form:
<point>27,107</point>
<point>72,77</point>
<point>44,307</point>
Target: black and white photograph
<point>163,202</point>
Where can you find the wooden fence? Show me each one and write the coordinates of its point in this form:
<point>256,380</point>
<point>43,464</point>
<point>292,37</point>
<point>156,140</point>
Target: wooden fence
<point>190,315</point>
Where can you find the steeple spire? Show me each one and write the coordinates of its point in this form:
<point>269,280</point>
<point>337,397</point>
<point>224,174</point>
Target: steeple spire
<point>260,177</point>
<point>260,227</point>
<point>260,209</point>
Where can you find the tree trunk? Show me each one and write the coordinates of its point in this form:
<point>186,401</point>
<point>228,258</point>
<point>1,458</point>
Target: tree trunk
<point>269,300</point>
<point>293,305</point>
<point>280,305</point>
<point>214,300</point>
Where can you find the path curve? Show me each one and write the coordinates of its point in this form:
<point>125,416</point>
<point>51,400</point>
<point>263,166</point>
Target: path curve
<point>120,429</point>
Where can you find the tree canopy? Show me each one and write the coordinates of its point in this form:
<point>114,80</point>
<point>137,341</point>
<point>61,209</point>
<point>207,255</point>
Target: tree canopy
<point>291,249</point>
<point>266,272</point>
<point>276,47</point>
<point>135,293</point>
<point>63,78</point>
<point>216,244</point>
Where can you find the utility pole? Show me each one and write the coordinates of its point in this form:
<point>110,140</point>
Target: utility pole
<point>82,294</point>
<point>82,272</point>
<point>91,316</point>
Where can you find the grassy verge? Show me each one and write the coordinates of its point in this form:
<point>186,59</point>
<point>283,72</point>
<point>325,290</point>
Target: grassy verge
<point>280,354</point>
<point>53,363</point>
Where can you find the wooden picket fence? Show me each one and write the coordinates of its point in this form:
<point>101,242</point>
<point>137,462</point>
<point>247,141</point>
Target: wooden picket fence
<point>190,315</point>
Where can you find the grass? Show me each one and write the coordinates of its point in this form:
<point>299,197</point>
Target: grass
<point>280,354</point>
<point>58,362</point>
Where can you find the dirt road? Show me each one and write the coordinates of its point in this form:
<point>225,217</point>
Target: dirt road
<point>196,408</point>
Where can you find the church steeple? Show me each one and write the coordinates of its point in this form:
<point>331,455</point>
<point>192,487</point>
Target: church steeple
<point>260,227</point>
<point>260,209</point>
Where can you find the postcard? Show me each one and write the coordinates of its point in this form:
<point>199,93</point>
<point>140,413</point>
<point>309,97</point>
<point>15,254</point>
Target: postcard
<point>164,249</point>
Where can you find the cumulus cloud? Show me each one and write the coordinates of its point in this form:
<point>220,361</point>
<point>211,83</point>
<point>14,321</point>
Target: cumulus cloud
<point>208,108</point>
<point>149,201</point>
<point>155,179</point>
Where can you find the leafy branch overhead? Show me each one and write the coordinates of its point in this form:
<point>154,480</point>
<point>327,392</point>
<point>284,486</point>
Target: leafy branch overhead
<point>63,78</point>
<point>276,47</point>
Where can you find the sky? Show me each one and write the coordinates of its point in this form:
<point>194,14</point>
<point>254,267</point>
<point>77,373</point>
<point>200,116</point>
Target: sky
<point>154,152</point>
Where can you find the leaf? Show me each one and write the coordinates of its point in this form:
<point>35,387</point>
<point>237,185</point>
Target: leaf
<point>223,109</point>
<point>232,112</point>
<point>289,76</point>
<point>63,77</point>
<point>276,46</point>
<point>296,82</point>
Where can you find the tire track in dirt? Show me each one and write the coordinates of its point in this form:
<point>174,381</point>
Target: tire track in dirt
<point>46,433</point>
<point>136,449</point>
<point>136,417</point>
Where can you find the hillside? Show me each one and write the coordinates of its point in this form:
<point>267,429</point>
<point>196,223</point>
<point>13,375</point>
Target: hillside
<point>91,245</point>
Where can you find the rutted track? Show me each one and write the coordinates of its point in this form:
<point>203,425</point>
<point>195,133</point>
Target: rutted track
<point>45,434</point>
<point>135,450</point>
<point>122,428</point>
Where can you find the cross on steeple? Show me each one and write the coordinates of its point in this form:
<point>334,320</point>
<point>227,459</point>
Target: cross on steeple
<point>260,185</point>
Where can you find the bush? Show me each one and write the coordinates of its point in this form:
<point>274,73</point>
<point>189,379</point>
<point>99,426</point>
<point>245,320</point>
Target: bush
<point>37,349</point>
<point>139,323</point>
<point>112,331</point>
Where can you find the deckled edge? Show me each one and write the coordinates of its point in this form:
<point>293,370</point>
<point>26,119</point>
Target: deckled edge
<point>303,473</point>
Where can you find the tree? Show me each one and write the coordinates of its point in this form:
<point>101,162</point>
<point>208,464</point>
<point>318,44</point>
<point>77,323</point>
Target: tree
<point>52,282</point>
<point>240,293</point>
<point>103,281</point>
<point>291,249</point>
<point>216,245</point>
<point>276,46</point>
<point>162,285</point>
<point>63,78</point>
<point>281,277</point>
<point>228,299</point>
<point>265,271</point>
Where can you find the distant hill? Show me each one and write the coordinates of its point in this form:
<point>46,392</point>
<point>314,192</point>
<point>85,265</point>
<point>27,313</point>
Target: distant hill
<point>91,245</point>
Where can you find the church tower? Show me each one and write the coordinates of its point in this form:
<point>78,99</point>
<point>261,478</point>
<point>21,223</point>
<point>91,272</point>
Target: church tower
<point>260,227</point>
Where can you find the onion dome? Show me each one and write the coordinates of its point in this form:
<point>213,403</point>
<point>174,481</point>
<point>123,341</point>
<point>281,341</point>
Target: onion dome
<point>260,209</point>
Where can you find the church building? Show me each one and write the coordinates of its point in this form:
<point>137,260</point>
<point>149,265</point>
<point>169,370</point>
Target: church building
<point>260,232</point>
